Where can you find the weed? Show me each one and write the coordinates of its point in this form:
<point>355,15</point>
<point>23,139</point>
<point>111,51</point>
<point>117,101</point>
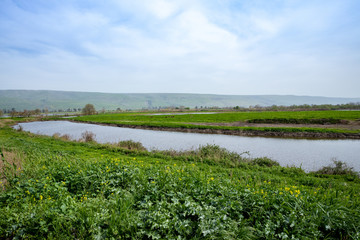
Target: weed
<point>20,128</point>
<point>131,145</point>
<point>65,137</point>
<point>88,136</point>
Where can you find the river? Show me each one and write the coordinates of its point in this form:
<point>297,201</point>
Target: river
<point>309,154</point>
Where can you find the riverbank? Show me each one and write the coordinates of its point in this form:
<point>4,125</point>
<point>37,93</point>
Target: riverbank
<point>311,124</point>
<point>69,189</point>
<point>309,154</point>
<point>254,131</point>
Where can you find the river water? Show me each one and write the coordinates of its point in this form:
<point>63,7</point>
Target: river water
<point>309,154</point>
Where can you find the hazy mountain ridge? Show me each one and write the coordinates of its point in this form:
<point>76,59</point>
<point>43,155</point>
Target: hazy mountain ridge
<point>55,100</point>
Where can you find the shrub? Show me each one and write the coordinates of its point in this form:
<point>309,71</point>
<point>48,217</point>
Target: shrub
<point>65,137</point>
<point>131,145</point>
<point>338,168</point>
<point>264,162</point>
<point>20,128</point>
<point>88,136</point>
<point>210,154</point>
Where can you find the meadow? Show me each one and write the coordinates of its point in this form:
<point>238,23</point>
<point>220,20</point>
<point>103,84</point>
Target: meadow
<point>224,120</point>
<point>54,188</point>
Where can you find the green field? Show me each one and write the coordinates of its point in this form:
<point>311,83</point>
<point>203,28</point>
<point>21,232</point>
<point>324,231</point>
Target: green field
<point>222,117</point>
<point>195,120</point>
<point>61,189</point>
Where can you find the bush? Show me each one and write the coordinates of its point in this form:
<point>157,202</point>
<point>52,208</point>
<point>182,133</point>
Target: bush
<point>338,168</point>
<point>131,145</point>
<point>88,136</point>
<point>20,128</point>
<point>65,137</point>
<point>264,162</point>
<point>209,153</point>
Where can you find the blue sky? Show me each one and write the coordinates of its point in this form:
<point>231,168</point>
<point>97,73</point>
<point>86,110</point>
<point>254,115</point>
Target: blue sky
<point>245,47</point>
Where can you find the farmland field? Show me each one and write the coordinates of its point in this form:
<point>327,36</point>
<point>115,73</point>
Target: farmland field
<point>326,122</point>
<point>225,117</point>
<point>56,188</point>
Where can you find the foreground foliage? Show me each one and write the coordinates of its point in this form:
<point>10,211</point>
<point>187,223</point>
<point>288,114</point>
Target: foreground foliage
<point>74,190</point>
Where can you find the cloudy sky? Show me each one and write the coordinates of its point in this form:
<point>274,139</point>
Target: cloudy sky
<point>297,47</point>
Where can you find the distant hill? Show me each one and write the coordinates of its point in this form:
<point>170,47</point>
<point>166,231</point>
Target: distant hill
<point>55,100</point>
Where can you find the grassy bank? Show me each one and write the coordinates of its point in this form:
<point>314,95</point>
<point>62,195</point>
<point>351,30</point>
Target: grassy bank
<point>84,190</point>
<point>224,117</point>
<point>221,122</point>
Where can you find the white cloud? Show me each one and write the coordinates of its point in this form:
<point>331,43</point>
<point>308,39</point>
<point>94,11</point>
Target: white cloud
<point>178,46</point>
<point>160,8</point>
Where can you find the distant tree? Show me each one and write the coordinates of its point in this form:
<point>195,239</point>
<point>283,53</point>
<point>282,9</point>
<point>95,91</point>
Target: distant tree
<point>1,113</point>
<point>13,113</point>
<point>89,109</point>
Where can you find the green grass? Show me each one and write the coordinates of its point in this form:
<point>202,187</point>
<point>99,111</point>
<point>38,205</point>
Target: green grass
<point>74,190</point>
<point>221,117</point>
<point>192,121</point>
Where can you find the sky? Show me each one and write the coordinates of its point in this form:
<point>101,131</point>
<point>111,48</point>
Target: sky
<point>243,47</point>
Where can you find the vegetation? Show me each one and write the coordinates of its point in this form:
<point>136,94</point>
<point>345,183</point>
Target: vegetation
<point>226,117</point>
<point>89,109</point>
<point>225,121</point>
<point>54,188</point>
<point>131,145</point>
<point>338,168</point>
<point>323,121</point>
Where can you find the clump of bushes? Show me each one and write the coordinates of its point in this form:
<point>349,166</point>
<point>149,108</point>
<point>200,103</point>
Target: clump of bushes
<point>88,136</point>
<point>215,154</point>
<point>264,162</point>
<point>338,168</point>
<point>131,145</point>
<point>209,153</point>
